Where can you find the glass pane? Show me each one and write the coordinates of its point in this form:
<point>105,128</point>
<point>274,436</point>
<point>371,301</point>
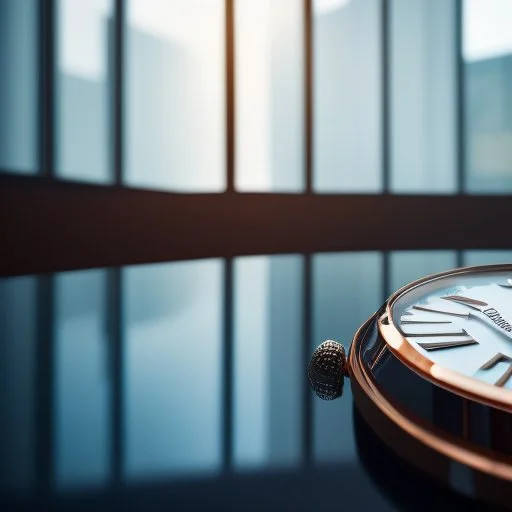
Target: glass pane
<point>18,341</point>
<point>347,289</point>
<point>423,96</point>
<point>488,96</point>
<point>347,96</point>
<point>83,85</point>
<point>18,86</point>
<point>82,395</point>
<point>486,257</point>
<point>268,370</point>
<point>175,95</point>
<point>407,266</point>
<point>269,95</point>
<point>173,368</point>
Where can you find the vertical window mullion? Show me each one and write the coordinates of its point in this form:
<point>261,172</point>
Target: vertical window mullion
<point>116,356</point>
<point>230,94</point>
<point>118,90</point>
<point>44,384</point>
<point>307,333</point>
<point>459,84</point>
<point>46,128</point>
<point>115,274</point>
<point>227,345</point>
<point>386,279</point>
<point>385,98</point>
<point>228,368</point>
<point>308,94</point>
<point>45,346</point>
<point>459,258</point>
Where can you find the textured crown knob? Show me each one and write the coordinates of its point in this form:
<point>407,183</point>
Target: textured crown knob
<point>327,369</point>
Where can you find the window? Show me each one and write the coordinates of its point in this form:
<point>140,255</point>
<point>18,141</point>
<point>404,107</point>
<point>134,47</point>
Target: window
<point>330,96</point>
<point>18,86</point>
<point>269,64</point>
<point>175,95</point>
<point>84,87</point>
<point>423,104</point>
<point>347,85</point>
<point>487,100</point>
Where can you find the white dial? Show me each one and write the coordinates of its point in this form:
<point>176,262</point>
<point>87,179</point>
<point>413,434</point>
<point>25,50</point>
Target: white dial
<point>463,323</point>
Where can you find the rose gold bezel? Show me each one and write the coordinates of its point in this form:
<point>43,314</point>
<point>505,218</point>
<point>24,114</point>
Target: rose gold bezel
<point>468,387</point>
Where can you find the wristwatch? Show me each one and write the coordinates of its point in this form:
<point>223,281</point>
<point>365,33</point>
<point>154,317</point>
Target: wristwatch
<point>431,373</point>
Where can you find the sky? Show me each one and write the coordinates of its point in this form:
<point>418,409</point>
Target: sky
<point>487,28</point>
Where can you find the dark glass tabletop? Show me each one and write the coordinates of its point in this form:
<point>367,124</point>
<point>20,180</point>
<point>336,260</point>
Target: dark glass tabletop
<point>181,386</point>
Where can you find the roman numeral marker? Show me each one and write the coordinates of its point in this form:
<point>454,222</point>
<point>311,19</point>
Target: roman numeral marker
<point>435,334</point>
<point>424,322</point>
<point>466,301</point>
<point>430,310</point>
<point>499,358</point>
<point>441,345</point>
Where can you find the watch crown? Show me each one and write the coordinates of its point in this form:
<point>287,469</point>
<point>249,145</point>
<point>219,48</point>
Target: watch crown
<point>326,370</point>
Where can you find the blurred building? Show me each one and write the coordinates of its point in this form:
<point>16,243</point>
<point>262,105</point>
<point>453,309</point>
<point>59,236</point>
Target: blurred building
<point>488,123</point>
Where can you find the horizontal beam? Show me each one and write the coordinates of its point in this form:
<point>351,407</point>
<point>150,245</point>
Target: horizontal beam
<point>47,226</point>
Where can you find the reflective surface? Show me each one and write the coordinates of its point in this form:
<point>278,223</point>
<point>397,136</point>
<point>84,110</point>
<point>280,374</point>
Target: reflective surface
<point>183,384</point>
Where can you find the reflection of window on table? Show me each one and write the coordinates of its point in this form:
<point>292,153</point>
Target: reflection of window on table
<point>206,384</point>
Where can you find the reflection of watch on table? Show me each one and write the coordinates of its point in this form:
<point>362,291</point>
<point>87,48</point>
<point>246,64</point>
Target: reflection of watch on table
<point>431,372</point>
<point>405,486</point>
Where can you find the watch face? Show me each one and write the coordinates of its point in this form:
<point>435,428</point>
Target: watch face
<point>458,324</point>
